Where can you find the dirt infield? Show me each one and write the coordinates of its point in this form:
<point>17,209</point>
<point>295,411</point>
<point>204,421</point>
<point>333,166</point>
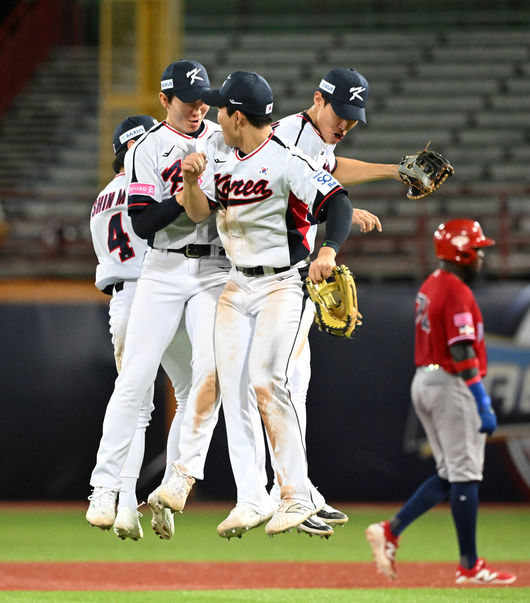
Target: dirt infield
<point>228,576</point>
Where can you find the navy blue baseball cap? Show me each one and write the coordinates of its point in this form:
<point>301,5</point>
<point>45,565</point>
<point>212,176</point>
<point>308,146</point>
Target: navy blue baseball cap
<point>246,91</point>
<point>186,79</point>
<point>131,128</point>
<point>347,91</point>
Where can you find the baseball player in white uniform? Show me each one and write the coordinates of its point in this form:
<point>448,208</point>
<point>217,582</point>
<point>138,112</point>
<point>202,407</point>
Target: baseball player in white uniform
<point>338,106</point>
<point>184,271</point>
<point>266,194</point>
<point>120,255</point>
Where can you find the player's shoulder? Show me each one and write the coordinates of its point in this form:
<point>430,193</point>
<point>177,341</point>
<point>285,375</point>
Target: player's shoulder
<point>117,183</point>
<point>215,143</point>
<point>448,283</point>
<point>149,140</point>
<point>289,124</point>
<point>209,128</point>
<point>293,152</point>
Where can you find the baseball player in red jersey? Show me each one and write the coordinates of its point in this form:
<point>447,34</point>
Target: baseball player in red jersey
<point>120,254</point>
<point>450,401</point>
<point>183,273</point>
<point>264,192</point>
<point>339,104</point>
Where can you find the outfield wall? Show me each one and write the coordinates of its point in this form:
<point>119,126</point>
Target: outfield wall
<point>58,373</point>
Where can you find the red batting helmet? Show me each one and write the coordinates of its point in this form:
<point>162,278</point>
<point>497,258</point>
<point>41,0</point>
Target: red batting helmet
<point>458,240</point>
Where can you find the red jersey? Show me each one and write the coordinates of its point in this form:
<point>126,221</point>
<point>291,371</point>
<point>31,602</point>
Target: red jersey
<point>446,313</point>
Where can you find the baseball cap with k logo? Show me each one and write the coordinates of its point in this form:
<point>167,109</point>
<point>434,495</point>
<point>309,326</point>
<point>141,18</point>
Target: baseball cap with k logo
<point>347,90</point>
<point>186,79</point>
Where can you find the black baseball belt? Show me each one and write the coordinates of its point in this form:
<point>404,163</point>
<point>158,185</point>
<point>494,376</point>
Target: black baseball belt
<point>197,251</point>
<point>261,270</point>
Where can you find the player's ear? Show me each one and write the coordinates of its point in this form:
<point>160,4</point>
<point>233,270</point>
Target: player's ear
<point>130,143</point>
<point>239,118</point>
<point>318,99</point>
<point>163,100</point>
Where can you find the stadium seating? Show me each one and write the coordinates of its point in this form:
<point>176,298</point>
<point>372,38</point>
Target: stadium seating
<point>466,91</point>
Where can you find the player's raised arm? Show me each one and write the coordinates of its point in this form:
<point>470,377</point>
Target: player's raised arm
<point>192,198</point>
<point>350,172</point>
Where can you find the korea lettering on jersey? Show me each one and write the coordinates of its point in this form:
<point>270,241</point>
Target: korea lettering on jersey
<point>119,250</point>
<point>154,173</point>
<point>263,209</point>
<point>299,130</point>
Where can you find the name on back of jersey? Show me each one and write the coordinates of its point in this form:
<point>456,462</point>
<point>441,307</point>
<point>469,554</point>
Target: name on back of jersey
<point>107,201</point>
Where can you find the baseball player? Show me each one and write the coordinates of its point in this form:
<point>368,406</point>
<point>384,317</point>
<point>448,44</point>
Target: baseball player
<point>183,273</point>
<point>338,106</point>
<point>450,401</point>
<point>265,193</point>
<point>120,254</point>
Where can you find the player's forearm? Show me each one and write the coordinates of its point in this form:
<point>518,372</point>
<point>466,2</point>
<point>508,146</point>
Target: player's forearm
<point>350,172</point>
<point>338,221</point>
<point>154,217</point>
<point>194,202</point>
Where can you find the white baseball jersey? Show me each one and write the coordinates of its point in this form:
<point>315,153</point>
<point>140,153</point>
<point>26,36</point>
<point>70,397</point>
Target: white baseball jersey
<point>153,168</point>
<point>299,130</point>
<point>119,250</point>
<point>264,213</point>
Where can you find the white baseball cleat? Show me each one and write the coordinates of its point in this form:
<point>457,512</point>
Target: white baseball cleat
<point>162,521</point>
<point>102,509</point>
<point>127,524</point>
<point>174,493</point>
<point>333,517</point>
<point>384,546</point>
<point>241,519</point>
<point>289,515</point>
<point>314,525</point>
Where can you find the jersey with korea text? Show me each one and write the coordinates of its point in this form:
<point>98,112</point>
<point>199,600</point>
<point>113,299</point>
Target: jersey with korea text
<point>447,313</point>
<point>153,168</point>
<point>119,250</point>
<point>300,131</point>
<point>264,200</point>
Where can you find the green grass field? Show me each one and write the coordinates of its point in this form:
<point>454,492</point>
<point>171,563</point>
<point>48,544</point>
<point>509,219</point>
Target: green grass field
<point>64,535</point>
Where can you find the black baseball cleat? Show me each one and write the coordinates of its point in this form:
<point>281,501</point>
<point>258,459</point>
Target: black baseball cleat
<point>316,526</point>
<point>332,516</point>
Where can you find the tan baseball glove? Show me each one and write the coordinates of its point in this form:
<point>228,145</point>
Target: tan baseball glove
<point>335,300</point>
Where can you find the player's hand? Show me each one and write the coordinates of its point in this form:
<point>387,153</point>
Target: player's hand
<point>488,418</point>
<point>322,266</point>
<point>193,166</point>
<point>366,220</point>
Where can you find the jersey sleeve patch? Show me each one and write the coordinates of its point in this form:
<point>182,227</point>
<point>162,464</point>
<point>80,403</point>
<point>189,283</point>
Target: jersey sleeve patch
<point>323,181</point>
<point>137,188</point>
<point>462,319</point>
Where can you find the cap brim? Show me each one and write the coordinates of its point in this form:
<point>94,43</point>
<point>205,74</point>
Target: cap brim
<point>486,242</point>
<point>349,112</point>
<point>213,98</point>
<point>190,95</point>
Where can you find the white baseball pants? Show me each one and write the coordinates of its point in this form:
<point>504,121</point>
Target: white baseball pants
<point>170,284</point>
<point>258,321</point>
